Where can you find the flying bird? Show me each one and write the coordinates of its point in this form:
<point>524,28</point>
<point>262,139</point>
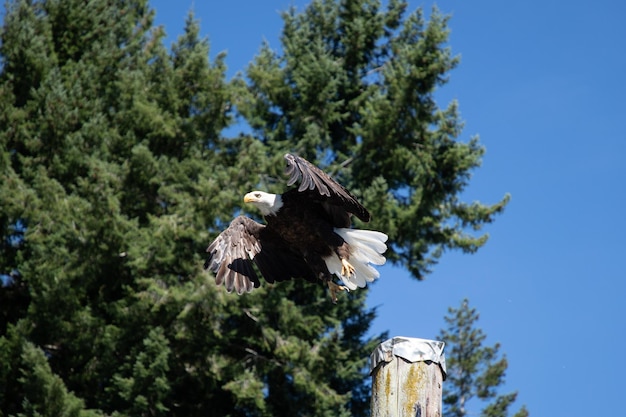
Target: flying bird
<point>307,235</point>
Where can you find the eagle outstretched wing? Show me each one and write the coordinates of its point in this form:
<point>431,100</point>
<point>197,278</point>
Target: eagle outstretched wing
<point>246,242</point>
<point>231,255</point>
<point>312,178</point>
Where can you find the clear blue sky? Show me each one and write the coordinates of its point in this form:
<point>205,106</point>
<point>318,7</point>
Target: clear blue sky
<point>542,83</point>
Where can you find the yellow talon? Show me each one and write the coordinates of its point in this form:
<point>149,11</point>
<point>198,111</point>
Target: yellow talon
<point>346,269</point>
<point>334,289</point>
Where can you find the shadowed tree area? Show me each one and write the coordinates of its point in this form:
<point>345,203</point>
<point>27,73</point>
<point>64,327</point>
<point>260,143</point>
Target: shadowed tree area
<point>116,174</point>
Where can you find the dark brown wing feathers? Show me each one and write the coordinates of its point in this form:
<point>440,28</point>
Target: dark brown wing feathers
<point>312,178</point>
<point>231,255</point>
<point>244,242</point>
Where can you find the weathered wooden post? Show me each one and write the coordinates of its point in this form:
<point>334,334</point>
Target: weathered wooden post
<point>407,377</point>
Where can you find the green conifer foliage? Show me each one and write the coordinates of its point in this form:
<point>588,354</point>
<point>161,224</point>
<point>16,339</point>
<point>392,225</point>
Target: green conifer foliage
<point>475,371</point>
<point>98,181</point>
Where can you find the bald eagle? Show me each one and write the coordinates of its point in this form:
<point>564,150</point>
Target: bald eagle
<point>307,235</point>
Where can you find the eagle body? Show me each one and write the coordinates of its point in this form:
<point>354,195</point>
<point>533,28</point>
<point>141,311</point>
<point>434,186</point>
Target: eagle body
<point>302,221</point>
<point>308,228</point>
<point>307,235</point>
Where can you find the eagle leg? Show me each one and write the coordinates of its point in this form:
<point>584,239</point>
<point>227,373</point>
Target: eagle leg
<point>347,269</point>
<point>334,289</point>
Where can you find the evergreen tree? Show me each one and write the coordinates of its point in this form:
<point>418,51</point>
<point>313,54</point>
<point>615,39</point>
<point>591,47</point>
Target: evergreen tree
<point>474,370</point>
<point>104,150</point>
<point>353,90</point>
<point>116,175</point>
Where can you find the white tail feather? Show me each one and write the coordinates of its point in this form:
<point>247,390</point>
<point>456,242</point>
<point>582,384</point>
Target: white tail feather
<point>366,247</point>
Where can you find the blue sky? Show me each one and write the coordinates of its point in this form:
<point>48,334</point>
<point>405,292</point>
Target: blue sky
<point>541,83</point>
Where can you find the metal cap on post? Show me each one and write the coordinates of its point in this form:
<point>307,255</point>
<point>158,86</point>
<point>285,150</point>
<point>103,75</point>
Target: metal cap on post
<point>407,376</point>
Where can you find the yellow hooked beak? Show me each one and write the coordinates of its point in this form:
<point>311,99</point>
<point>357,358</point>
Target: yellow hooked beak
<point>250,198</point>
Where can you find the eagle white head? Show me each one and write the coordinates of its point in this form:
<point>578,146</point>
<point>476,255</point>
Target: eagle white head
<point>267,203</point>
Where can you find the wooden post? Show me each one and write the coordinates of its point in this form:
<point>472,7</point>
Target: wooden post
<point>407,376</point>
